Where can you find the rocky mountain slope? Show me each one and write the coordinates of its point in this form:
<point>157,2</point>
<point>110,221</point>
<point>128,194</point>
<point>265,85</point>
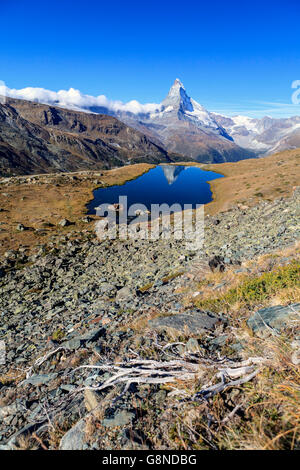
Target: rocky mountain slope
<point>181,124</point>
<point>264,136</point>
<point>184,126</point>
<point>37,138</point>
<point>107,346</point>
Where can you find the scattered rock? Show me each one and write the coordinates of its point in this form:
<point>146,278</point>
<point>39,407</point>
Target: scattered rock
<point>74,282</point>
<point>217,262</point>
<point>64,223</point>
<point>121,418</point>
<point>38,380</point>
<point>75,438</point>
<point>195,323</point>
<point>123,294</point>
<point>264,321</point>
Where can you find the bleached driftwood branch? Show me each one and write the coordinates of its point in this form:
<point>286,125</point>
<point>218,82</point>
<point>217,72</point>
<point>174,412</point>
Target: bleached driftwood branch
<point>140,371</point>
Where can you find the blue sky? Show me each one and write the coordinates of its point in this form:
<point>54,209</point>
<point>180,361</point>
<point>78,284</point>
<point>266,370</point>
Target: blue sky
<point>232,58</point>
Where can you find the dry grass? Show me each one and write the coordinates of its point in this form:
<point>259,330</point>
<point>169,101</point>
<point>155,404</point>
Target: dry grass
<point>264,413</point>
<point>271,403</point>
<point>266,282</point>
<point>36,204</point>
<point>250,291</point>
<point>249,181</point>
<point>246,182</point>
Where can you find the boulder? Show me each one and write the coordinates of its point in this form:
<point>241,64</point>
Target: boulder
<point>195,323</point>
<point>123,294</point>
<point>217,263</point>
<point>120,418</point>
<point>84,340</point>
<point>64,223</point>
<point>74,439</point>
<point>275,318</point>
<point>38,380</point>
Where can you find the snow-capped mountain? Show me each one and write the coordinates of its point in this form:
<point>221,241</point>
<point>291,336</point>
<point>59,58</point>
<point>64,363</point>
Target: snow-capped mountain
<point>180,124</point>
<point>178,105</point>
<point>264,136</point>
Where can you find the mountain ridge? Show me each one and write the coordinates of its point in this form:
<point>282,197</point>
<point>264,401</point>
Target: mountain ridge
<point>184,126</point>
<point>179,125</point>
<point>249,135</point>
<point>266,135</point>
<point>37,138</point>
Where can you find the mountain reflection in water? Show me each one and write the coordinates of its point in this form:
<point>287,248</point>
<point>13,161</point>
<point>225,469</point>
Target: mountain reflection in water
<point>164,184</point>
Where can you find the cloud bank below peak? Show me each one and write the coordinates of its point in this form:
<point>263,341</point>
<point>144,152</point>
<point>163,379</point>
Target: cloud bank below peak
<point>74,99</point>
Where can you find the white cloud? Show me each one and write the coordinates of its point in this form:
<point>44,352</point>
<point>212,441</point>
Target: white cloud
<point>76,100</point>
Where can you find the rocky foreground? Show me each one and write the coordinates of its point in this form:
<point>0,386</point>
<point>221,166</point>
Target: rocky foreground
<point>107,348</point>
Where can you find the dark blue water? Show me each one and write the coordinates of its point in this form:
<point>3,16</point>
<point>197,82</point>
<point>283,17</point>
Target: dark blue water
<point>168,184</point>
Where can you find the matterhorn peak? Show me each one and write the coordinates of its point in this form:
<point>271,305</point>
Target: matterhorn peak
<point>178,84</point>
<point>177,88</point>
<point>177,97</point>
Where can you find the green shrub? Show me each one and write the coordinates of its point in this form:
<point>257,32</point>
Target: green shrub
<point>256,290</point>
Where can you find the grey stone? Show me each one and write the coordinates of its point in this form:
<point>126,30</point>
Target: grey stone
<point>123,294</point>
<point>219,341</point>
<point>74,439</point>
<point>121,418</point>
<point>273,318</point>
<point>64,223</point>
<point>68,387</point>
<point>92,335</point>
<point>89,337</point>
<point>195,323</point>
<point>192,346</point>
<point>237,347</point>
<point>72,344</point>
<point>38,380</point>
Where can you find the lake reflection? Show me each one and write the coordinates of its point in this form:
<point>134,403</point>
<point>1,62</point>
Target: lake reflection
<point>169,184</point>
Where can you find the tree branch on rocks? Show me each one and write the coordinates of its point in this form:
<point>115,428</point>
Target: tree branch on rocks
<point>140,371</point>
